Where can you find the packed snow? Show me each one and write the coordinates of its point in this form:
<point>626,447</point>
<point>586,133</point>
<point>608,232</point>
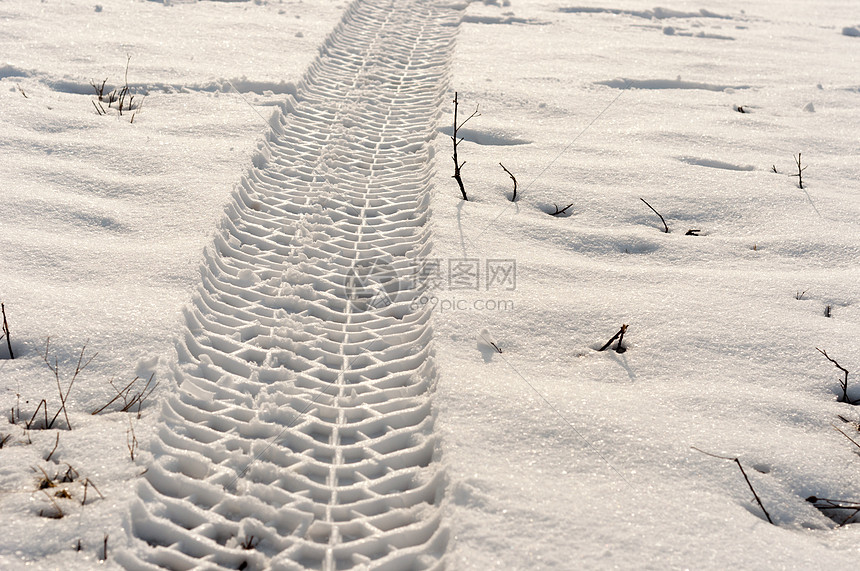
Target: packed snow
<point>308,351</point>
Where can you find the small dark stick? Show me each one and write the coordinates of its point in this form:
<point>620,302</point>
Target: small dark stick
<point>71,474</point>
<point>100,90</point>
<point>738,462</point>
<point>33,418</point>
<point>87,484</point>
<point>827,312</point>
<point>846,436</point>
<point>619,336</point>
<point>457,164</point>
<point>666,226</point>
<point>608,343</point>
<point>6,331</point>
<point>560,211</point>
<point>496,347</point>
<point>823,504</point>
<point>57,443</point>
<point>800,170</point>
<point>621,348</point>
<point>843,383</point>
<point>104,553</point>
<point>692,232</point>
<point>513,178</point>
<point>454,139</point>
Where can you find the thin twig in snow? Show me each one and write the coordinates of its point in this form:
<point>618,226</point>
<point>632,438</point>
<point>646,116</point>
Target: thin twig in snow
<point>454,137</point>
<point>559,211</point>
<point>620,336</point>
<point>6,331</point>
<point>663,220</point>
<point>800,170</point>
<point>513,178</point>
<point>738,462</point>
<point>54,449</point>
<point>843,383</point>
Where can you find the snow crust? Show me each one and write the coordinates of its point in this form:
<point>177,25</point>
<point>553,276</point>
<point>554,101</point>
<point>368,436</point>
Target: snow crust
<point>585,458</point>
<point>554,455</point>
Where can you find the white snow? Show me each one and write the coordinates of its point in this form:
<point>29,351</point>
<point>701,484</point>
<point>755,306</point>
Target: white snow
<point>489,389</point>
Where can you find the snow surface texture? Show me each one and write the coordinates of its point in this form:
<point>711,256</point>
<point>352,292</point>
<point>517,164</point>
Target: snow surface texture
<point>585,458</point>
<point>488,431</point>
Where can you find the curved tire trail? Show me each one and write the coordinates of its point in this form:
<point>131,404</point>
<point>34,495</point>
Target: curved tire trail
<point>301,434</point>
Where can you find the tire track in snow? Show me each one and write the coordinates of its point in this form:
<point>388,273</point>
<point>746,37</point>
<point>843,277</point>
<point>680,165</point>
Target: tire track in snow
<point>301,435</point>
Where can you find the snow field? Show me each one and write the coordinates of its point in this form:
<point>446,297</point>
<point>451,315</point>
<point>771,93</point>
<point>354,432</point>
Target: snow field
<point>585,458</point>
<point>401,438</point>
<point>103,223</point>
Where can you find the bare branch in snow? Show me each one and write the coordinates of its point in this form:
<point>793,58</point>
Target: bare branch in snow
<point>663,220</point>
<point>513,178</point>
<point>620,336</point>
<point>457,140</point>
<point>738,462</point>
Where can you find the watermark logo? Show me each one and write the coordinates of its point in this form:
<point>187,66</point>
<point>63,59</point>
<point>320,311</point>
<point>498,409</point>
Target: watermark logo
<point>502,274</point>
<point>374,284</point>
<point>464,273</point>
<point>441,280</point>
<point>447,304</point>
<point>371,284</point>
<point>473,274</point>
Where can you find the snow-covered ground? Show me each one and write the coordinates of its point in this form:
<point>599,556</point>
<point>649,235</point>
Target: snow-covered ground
<point>547,453</point>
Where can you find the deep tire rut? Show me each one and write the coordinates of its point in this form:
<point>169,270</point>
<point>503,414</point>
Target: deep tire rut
<point>301,435</point>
